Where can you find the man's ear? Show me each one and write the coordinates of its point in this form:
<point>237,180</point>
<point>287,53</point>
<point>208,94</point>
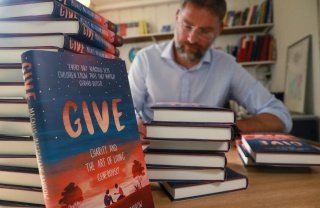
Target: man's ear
<point>221,27</point>
<point>177,13</point>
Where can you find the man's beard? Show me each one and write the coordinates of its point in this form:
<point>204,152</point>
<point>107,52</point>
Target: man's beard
<point>190,55</point>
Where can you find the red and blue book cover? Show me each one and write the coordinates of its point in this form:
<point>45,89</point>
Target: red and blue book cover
<point>87,141</point>
<point>49,4</point>
<point>277,142</point>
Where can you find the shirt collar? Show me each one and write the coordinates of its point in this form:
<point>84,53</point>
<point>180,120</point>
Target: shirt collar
<point>167,53</point>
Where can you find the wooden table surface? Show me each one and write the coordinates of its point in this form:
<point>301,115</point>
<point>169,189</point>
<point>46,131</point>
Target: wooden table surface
<point>275,187</point>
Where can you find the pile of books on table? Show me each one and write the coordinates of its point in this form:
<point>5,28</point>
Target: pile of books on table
<point>276,149</point>
<point>187,150</point>
<point>48,25</point>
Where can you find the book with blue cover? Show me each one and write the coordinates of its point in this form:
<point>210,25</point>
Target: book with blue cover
<point>280,149</point>
<point>85,131</point>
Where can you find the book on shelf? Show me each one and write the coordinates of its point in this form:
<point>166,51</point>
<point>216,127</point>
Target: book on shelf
<point>85,125</point>
<point>255,14</point>
<point>23,8</point>
<point>27,161</point>
<point>16,145</point>
<point>188,131</point>
<point>20,176</point>
<point>15,126</point>
<point>13,107</point>
<point>251,14</point>
<point>11,73</point>
<point>178,173</point>
<point>256,48</point>
<point>214,146</point>
<point>22,195</point>
<point>280,149</point>
<point>185,158</point>
<point>71,27</point>
<point>58,40</point>
<point>191,112</point>
<point>241,56</point>
<point>188,190</point>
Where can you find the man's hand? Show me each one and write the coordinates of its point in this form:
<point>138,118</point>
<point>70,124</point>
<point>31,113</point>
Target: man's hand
<point>264,122</point>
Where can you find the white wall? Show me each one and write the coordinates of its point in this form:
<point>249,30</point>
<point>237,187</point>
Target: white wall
<point>295,19</point>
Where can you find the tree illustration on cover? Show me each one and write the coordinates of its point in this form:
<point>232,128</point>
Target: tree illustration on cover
<point>71,197</point>
<point>138,173</point>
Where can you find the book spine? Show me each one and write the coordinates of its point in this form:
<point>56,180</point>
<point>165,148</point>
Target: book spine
<point>76,46</point>
<point>61,11</point>
<point>34,119</point>
<point>87,35</point>
<point>87,12</point>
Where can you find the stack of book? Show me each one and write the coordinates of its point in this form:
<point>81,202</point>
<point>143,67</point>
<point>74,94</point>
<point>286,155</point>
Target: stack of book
<point>54,25</point>
<point>187,149</point>
<point>44,161</point>
<point>276,149</point>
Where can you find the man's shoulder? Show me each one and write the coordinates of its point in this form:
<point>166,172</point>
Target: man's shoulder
<point>156,48</point>
<point>221,55</point>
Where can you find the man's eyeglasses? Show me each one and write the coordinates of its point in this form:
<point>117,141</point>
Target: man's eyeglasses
<point>203,33</point>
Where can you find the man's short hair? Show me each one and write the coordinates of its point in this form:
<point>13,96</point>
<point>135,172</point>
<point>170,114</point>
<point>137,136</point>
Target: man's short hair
<point>219,7</point>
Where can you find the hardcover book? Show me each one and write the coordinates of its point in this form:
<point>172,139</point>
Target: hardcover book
<point>244,155</point>
<point>71,27</point>
<point>15,126</point>
<point>13,55</point>
<point>12,89</point>
<point>13,204</point>
<point>188,190</point>
<point>277,148</point>
<point>192,112</point>
<point>85,131</point>
<point>58,40</point>
<point>27,161</point>
<point>178,173</point>
<point>190,145</point>
<point>14,107</point>
<point>23,195</point>
<point>20,176</point>
<point>62,11</point>
<point>23,8</point>
<point>11,73</point>
<point>15,145</point>
<point>188,131</point>
<point>185,158</point>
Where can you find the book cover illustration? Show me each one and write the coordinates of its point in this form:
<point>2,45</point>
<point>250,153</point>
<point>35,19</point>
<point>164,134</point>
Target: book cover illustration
<point>87,141</point>
<point>284,143</point>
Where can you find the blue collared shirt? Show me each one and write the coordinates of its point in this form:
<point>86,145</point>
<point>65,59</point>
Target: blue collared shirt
<point>154,76</point>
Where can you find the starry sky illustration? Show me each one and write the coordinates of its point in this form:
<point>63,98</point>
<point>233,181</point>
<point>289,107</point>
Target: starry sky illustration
<point>53,92</point>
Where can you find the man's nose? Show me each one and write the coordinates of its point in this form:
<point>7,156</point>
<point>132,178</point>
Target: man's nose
<point>193,36</point>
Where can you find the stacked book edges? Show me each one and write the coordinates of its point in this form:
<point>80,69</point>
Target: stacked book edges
<point>55,26</point>
<point>56,56</point>
<point>187,148</point>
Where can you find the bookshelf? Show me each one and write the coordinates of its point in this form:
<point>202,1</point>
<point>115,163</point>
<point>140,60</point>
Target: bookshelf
<point>258,28</point>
